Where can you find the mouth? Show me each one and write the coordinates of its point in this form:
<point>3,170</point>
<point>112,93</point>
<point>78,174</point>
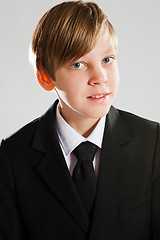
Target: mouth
<point>99,97</point>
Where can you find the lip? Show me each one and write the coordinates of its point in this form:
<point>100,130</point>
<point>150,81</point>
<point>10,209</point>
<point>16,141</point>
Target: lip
<point>99,97</point>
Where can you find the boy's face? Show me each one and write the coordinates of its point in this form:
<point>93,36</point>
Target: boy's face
<point>86,88</point>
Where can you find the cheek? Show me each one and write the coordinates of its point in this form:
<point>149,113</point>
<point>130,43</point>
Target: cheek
<point>68,95</point>
<point>114,77</point>
<point>75,90</point>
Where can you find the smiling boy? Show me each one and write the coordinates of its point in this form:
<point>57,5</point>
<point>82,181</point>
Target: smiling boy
<point>44,181</point>
<point>87,87</point>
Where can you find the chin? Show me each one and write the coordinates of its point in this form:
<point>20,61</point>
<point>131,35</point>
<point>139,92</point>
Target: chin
<point>100,114</point>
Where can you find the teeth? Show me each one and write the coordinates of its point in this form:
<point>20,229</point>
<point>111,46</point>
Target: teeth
<point>98,96</point>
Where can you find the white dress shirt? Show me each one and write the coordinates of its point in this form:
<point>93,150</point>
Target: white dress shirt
<point>69,139</point>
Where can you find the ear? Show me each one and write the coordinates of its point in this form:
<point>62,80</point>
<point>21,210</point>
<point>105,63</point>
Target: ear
<point>44,80</point>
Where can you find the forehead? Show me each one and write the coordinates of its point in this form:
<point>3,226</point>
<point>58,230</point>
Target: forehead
<point>103,45</point>
<point>105,40</point>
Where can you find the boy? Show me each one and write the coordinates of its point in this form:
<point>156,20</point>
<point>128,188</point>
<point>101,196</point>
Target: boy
<point>48,189</point>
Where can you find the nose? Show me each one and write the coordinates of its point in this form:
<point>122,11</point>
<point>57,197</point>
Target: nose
<point>98,76</point>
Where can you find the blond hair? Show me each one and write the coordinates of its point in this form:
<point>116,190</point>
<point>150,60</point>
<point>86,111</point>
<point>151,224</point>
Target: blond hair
<point>67,32</point>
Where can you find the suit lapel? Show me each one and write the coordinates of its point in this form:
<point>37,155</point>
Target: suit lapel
<point>54,172</point>
<point>111,179</point>
<point>53,169</point>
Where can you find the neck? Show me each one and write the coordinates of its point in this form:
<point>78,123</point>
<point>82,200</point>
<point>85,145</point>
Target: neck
<point>84,126</point>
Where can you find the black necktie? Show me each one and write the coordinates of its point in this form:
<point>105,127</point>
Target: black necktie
<point>84,175</point>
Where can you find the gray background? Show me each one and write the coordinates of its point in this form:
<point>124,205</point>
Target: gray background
<point>137,25</point>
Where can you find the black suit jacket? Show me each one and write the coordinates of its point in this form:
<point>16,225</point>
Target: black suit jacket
<point>38,200</point>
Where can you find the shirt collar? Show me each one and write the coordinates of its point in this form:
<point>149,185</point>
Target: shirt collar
<point>70,139</point>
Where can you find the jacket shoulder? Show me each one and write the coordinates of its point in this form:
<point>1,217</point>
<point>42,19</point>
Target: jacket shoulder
<point>23,135</point>
<point>133,118</point>
<point>138,124</point>
<point>39,129</point>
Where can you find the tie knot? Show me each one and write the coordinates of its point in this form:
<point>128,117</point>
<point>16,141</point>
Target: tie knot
<point>85,151</point>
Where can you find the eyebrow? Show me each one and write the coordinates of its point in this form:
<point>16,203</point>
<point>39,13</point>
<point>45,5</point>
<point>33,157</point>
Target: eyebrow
<point>108,50</point>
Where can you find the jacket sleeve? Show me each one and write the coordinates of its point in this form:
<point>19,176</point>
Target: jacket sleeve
<point>10,220</point>
<point>156,190</point>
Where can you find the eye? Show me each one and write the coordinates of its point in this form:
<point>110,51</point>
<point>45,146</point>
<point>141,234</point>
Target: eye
<point>108,60</point>
<point>78,65</point>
